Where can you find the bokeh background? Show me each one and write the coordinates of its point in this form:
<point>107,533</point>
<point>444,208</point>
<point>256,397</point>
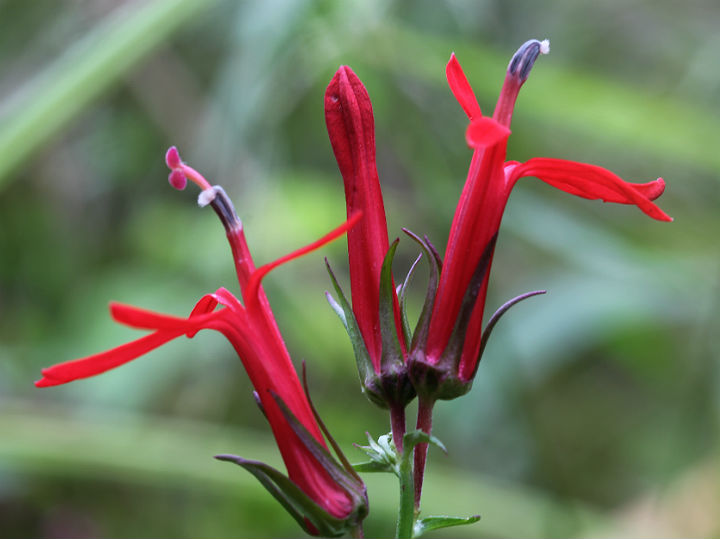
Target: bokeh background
<point>595,410</point>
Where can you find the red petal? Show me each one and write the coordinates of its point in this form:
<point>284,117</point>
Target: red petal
<point>484,132</point>
<point>205,305</point>
<point>593,182</point>
<point>259,274</point>
<point>461,88</point>
<point>144,319</point>
<point>136,317</point>
<point>104,361</point>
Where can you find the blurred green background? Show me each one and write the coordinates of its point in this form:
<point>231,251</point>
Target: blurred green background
<point>595,411</point>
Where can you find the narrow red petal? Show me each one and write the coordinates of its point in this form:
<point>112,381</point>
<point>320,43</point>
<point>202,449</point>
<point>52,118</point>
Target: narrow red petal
<point>143,319</point>
<point>484,132</point>
<point>461,88</point>
<point>205,304</point>
<point>136,317</point>
<point>593,182</point>
<point>104,361</point>
<point>259,274</point>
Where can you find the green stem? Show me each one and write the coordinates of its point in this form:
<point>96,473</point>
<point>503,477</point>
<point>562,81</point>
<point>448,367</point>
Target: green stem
<point>406,511</point>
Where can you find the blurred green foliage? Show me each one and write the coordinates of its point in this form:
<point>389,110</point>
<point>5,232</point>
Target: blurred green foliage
<point>596,407</point>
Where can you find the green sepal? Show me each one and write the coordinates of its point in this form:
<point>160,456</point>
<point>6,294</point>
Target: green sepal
<point>395,384</point>
<point>436,523</point>
<point>368,378</point>
<point>453,351</point>
<point>423,324</point>
<point>349,480</point>
<point>298,504</point>
<point>338,452</point>
<point>392,356</point>
<point>402,289</point>
<point>494,320</point>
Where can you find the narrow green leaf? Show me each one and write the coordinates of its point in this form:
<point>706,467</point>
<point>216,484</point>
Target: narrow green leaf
<point>372,466</point>
<point>59,93</point>
<point>435,523</point>
<point>415,437</point>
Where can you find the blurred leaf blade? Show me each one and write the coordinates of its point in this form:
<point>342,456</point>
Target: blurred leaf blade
<point>47,103</point>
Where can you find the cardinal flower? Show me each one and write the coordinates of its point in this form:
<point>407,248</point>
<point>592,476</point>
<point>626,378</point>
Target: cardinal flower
<point>449,337</point>
<point>321,495</point>
<point>445,357</point>
<point>374,322</point>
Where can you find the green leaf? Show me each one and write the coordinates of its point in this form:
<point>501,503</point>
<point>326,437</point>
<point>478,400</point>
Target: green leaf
<point>435,523</point>
<point>60,92</point>
<point>382,453</point>
<point>415,437</point>
<point>372,466</point>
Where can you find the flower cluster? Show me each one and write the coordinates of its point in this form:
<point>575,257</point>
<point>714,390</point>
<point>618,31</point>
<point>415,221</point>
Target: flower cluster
<point>444,350</point>
<point>437,360</point>
<point>441,356</point>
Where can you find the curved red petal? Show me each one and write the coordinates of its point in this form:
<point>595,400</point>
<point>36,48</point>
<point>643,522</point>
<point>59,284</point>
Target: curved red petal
<point>593,182</point>
<point>63,373</point>
<point>205,304</point>
<point>258,275</point>
<point>461,88</point>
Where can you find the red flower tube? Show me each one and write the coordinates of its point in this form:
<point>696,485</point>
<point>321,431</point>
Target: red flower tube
<point>375,322</point>
<point>454,339</point>
<point>336,499</point>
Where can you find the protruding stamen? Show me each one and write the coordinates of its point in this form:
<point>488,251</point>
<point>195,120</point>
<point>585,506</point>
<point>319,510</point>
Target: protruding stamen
<point>172,158</point>
<point>180,172</point>
<point>523,60</point>
<point>517,73</point>
<point>177,179</point>
<point>223,206</point>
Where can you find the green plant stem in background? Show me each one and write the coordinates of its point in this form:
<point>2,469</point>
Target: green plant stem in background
<point>90,66</point>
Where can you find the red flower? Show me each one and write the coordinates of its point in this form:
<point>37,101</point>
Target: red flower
<point>375,307</point>
<point>254,334</point>
<point>454,336</point>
